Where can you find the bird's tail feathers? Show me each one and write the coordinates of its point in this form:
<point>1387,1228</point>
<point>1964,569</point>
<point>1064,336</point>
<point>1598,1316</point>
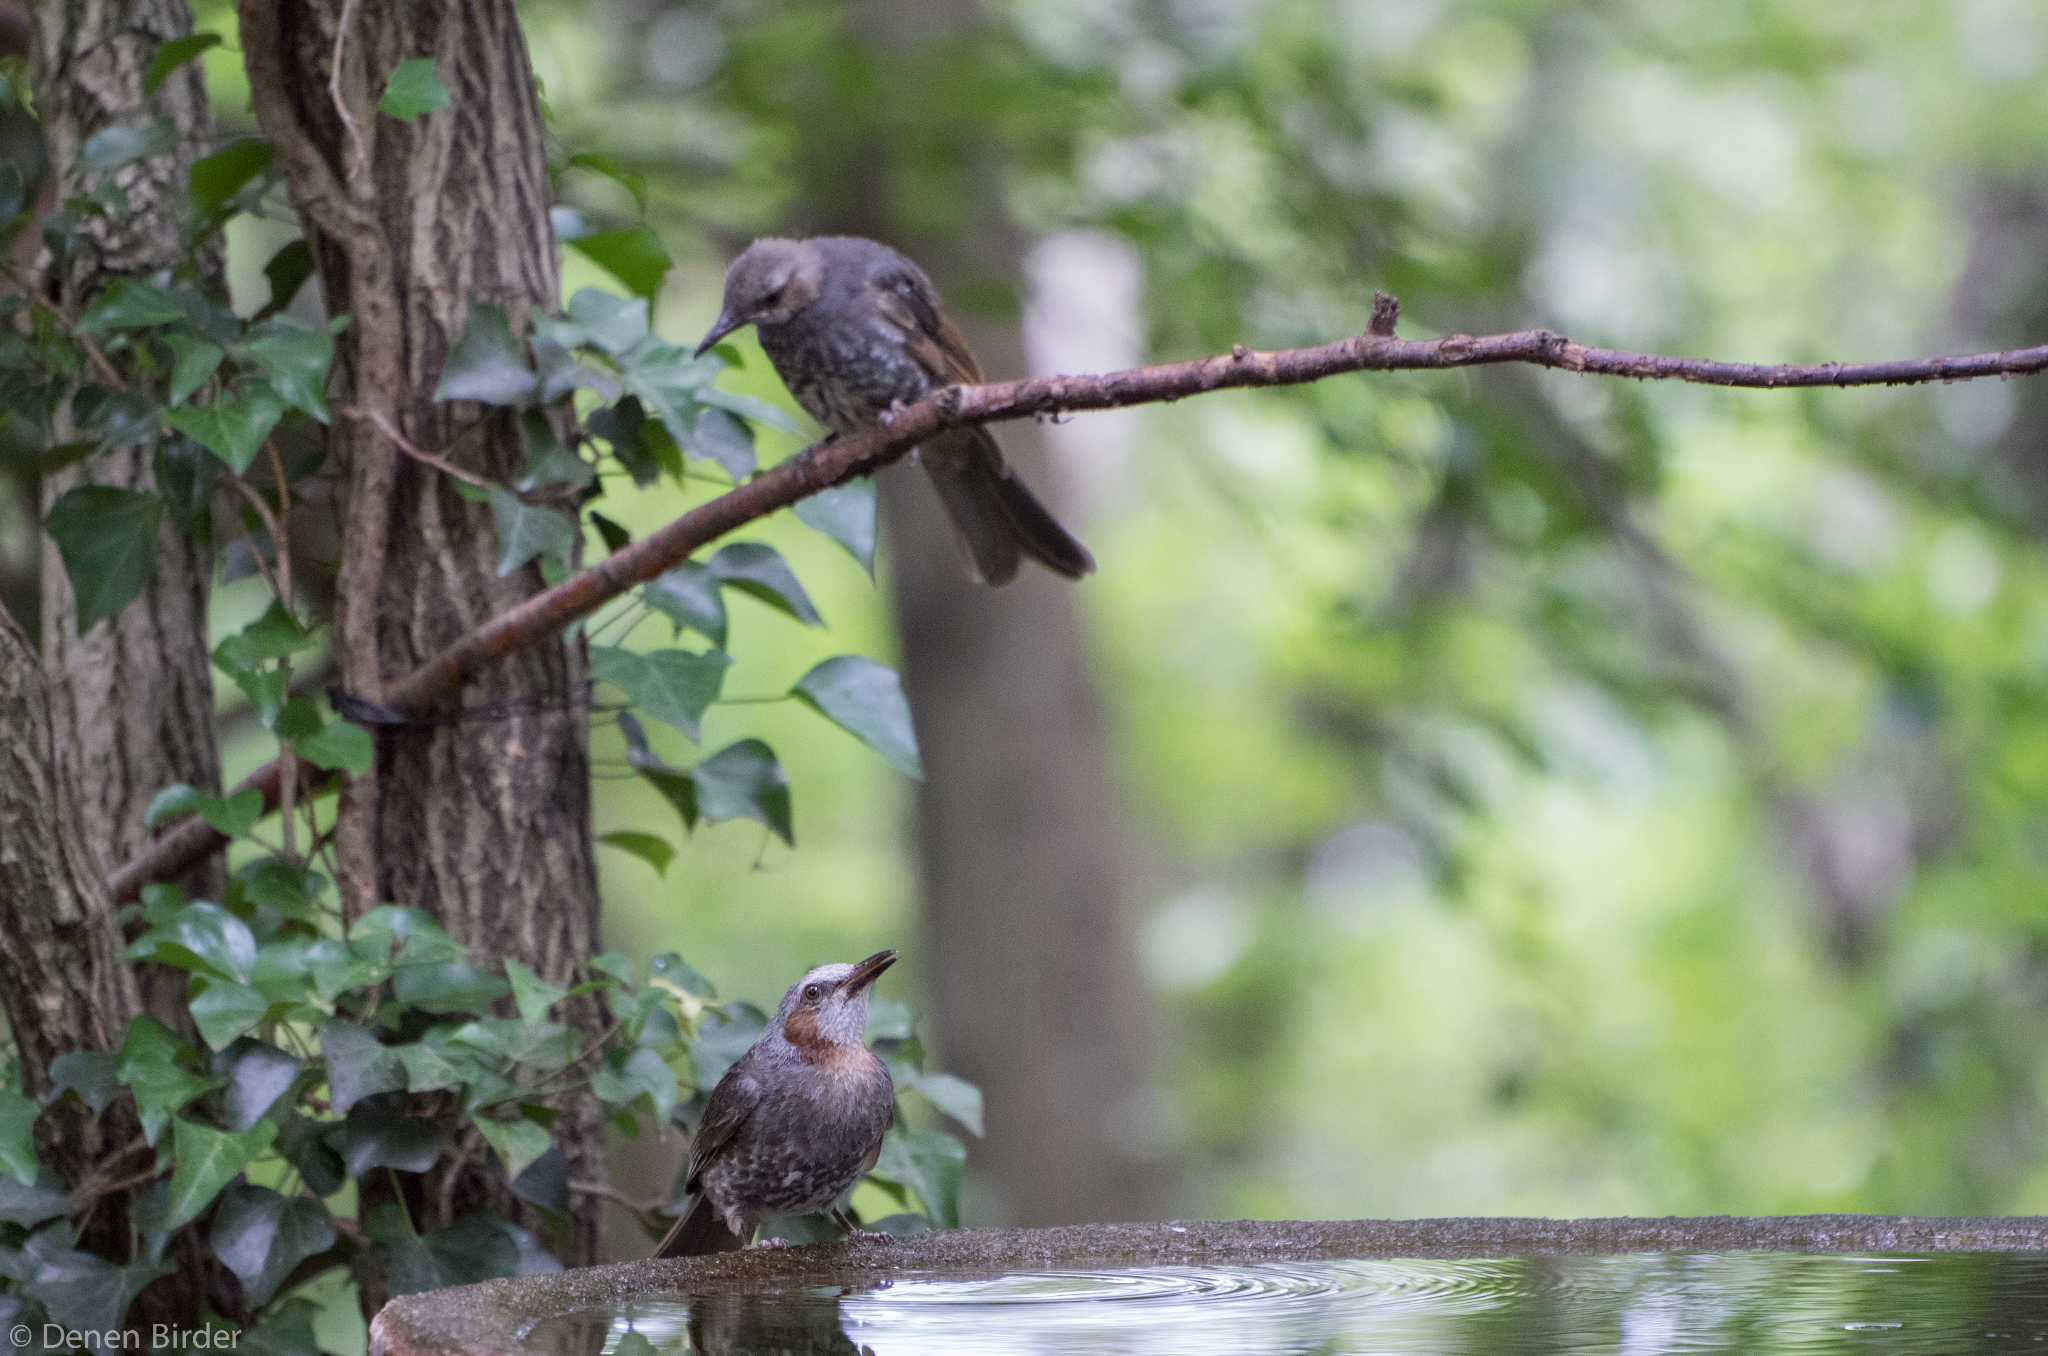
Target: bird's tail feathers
<point>698,1232</point>
<point>996,517</point>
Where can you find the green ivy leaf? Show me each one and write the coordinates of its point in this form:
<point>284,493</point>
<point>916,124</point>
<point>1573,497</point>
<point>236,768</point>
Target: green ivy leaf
<point>675,686</point>
<point>112,147</point>
<point>748,408</point>
<point>234,425</point>
<point>517,1141</point>
<point>257,1075</point>
<point>293,356</point>
<point>150,1064</point>
<point>929,1163</point>
<point>612,323</point>
<point>203,1160</point>
<point>633,254</point>
<point>203,938</point>
<point>89,1073</point>
<point>84,1293</point>
<point>668,381</point>
<point>18,1137</point>
<point>173,54</point>
<point>531,994</point>
<point>286,272</point>
<point>487,364</point>
<point>272,883</point>
<point>169,803</point>
<point>721,438</point>
<point>650,848</point>
<point>744,781</point>
<point>29,1206</point>
<point>846,514</point>
<point>447,986</point>
<point>358,1065</point>
<point>434,1063</point>
<point>688,596</point>
<point>866,700</point>
<point>233,815</point>
<point>956,1097</point>
<point>215,186</point>
<point>480,1248</point>
<point>224,1011</point>
<point>107,538</point>
<point>757,569</point>
<point>130,304</point>
<point>262,1237</point>
<point>528,530</point>
<point>193,360</point>
<point>337,746</point>
<point>625,1075</point>
<point>413,90</point>
<point>378,1134</point>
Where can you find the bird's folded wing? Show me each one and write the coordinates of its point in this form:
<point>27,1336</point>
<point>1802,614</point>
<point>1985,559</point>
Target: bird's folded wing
<point>927,333</point>
<point>732,1101</point>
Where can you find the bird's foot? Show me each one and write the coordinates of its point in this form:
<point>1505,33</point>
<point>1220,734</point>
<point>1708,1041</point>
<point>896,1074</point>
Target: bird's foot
<point>889,416</point>
<point>771,1244</point>
<point>865,1236</point>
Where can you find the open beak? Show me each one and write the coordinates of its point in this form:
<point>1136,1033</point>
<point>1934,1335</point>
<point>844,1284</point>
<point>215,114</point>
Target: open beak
<point>720,327</point>
<point>867,972</point>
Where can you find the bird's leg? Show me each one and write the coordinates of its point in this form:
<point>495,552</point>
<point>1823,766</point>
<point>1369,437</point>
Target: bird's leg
<point>854,1233</point>
<point>888,417</point>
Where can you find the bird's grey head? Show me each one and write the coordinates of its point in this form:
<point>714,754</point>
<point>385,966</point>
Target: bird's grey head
<point>770,282</point>
<point>830,1004</point>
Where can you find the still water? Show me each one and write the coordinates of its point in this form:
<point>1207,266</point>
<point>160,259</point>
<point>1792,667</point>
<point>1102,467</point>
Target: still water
<point>1636,1304</point>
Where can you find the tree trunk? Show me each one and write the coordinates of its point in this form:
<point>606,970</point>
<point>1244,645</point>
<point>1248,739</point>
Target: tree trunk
<point>485,823</point>
<point>1022,863</point>
<point>131,701</point>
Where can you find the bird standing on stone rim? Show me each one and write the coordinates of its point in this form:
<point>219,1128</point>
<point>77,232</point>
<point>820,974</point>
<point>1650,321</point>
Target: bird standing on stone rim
<point>856,330</point>
<point>796,1120</point>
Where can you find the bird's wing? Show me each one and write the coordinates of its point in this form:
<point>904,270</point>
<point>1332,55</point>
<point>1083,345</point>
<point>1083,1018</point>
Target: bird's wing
<point>732,1101</point>
<point>906,303</point>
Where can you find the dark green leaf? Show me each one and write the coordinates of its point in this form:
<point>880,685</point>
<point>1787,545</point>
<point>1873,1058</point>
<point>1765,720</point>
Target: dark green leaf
<point>671,971</point>
<point>234,425</point>
<point>304,1145</point>
<point>223,1011</point>
<point>262,1237</point>
<point>84,1293</point>
<point>257,1075</point>
<point>173,54</point>
<point>357,1064</point>
<point>531,994</point>
<point>518,1142</point>
<point>116,418</point>
<point>287,272</point>
<point>89,1073</point>
<point>477,1249</point>
<point>272,883</point>
<point>625,1075</point>
<point>193,360</point>
<point>548,459</point>
<point>186,475</point>
<point>112,147</point>
<point>722,1037</point>
<point>286,1330</point>
<point>677,788</point>
<point>150,1064</point>
<point>759,570</point>
<point>544,1045</point>
<point>865,699</point>
<point>744,781</point>
<point>956,1097</point>
<point>412,90</point>
<point>170,803</point>
<point>612,168</point>
<point>233,815</point>
<point>650,848</point>
<point>846,514</point>
<point>688,596</point>
<point>929,1163</point>
<point>130,304</point>
<point>201,937</point>
<point>337,747</point>
<point>528,530</point>
<point>447,986</point>
<point>668,381</point>
<point>487,364</point>
<point>634,255</point>
<point>217,180</point>
<point>611,323</point>
<point>725,440</point>
<point>13,194</point>
<point>757,411</point>
<point>31,1205</point>
<point>614,537</point>
<point>18,1137</point>
<point>378,1134</point>
<point>203,1160</point>
<point>435,1062</point>
<point>293,356</point>
<point>405,936</point>
<point>545,1182</point>
<point>107,539</point>
<point>273,635</point>
<point>675,686</point>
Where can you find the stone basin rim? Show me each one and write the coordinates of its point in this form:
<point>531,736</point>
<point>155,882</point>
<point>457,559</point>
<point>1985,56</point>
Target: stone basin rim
<point>493,1316</point>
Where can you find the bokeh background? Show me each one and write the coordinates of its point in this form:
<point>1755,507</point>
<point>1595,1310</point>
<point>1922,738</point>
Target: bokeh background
<point>1486,792</point>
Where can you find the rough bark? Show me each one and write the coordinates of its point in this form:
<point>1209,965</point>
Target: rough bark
<point>484,823</point>
<point>1022,863</point>
<point>131,700</point>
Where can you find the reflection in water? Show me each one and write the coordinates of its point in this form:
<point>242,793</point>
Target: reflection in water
<point>1638,1304</point>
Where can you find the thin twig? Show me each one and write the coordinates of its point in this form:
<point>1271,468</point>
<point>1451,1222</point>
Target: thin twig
<point>109,375</point>
<point>383,425</point>
<point>546,614</point>
<point>359,158</point>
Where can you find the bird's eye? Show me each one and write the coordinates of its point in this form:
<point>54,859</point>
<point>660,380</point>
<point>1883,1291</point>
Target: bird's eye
<point>813,992</point>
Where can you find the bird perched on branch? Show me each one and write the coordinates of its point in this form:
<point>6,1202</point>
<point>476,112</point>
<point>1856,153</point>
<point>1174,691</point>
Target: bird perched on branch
<point>856,330</point>
<point>796,1120</point>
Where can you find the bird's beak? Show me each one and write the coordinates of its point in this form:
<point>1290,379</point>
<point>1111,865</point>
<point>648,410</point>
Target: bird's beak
<point>867,972</point>
<point>724,325</point>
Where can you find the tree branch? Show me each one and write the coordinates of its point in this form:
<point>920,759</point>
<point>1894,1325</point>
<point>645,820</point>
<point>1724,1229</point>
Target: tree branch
<point>826,464</point>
